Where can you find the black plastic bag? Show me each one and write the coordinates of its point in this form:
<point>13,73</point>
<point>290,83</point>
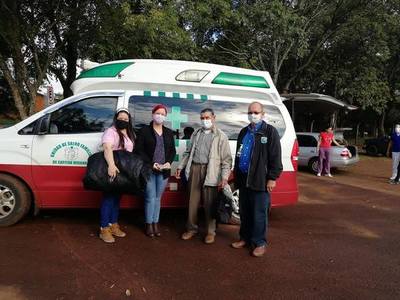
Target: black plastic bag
<point>131,179</point>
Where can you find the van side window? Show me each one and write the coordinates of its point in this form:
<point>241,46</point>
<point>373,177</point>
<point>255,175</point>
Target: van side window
<point>86,116</point>
<point>184,114</point>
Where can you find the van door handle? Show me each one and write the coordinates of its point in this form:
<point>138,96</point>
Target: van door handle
<point>25,146</point>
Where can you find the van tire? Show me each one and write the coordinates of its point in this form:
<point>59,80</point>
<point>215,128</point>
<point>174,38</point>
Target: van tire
<point>313,165</point>
<point>15,200</point>
<point>372,150</point>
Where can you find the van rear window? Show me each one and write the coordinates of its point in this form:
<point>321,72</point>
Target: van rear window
<point>231,116</point>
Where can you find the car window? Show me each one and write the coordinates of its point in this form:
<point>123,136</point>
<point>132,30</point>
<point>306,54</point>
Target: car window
<point>184,114</point>
<point>86,116</point>
<point>28,129</point>
<point>307,141</point>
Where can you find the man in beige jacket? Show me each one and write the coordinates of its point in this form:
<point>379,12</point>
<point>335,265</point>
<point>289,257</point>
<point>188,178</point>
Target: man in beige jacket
<point>207,163</point>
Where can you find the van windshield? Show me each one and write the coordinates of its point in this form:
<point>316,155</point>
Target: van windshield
<point>184,114</point>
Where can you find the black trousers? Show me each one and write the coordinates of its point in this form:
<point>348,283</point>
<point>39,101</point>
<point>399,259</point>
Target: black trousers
<point>253,207</point>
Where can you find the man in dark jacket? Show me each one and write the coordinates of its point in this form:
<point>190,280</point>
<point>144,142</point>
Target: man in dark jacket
<point>258,164</point>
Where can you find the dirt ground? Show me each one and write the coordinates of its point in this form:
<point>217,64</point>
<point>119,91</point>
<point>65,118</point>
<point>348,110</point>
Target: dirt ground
<point>341,241</point>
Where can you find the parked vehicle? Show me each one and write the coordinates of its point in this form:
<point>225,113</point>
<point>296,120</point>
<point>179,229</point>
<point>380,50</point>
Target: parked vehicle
<point>308,156</point>
<point>376,146</point>
<point>43,158</point>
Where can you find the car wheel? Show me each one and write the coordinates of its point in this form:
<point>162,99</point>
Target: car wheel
<point>313,165</point>
<point>372,150</point>
<point>15,200</point>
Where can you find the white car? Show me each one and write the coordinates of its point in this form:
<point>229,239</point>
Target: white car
<point>308,155</point>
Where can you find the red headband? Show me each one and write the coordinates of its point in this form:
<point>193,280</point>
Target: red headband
<point>157,107</point>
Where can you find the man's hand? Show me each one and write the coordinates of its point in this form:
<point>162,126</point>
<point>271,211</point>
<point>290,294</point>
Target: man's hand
<point>223,183</point>
<point>156,167</point>
<point>178,174</point>
<point>271,185</point>
<point>112,171</point>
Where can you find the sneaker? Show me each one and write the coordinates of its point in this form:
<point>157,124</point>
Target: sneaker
<point>188,235</point>
<point>329,175</point>
<point>319,174</point>
<point>106,235</point>
<point>115,230</point>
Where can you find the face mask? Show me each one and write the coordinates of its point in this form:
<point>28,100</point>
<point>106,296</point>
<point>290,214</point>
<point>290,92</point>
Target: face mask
<point>255,118</point>
<point>206,124</point>
<point>397,130</point>
<point>158,118</point>
<point>121,124</point>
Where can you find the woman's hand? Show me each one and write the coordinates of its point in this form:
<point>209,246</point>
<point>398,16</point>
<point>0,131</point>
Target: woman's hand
<point>112,171</point>
<point>167,165</point>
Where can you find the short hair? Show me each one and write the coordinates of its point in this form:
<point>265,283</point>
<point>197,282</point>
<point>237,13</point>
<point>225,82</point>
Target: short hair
<point>256,102</point>
<point>210,110</point>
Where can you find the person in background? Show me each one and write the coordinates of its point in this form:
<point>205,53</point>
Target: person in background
<point>156,145</point>
<point>207,163</point>
<point>394,147</point>
<point>120,136</point>
<point>258,165</point>
<point>187,133</point>
<point>324,151</point>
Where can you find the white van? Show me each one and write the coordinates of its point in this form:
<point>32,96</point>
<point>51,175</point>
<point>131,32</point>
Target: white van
<point>43,158</point>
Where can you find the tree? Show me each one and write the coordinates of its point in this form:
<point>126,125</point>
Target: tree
<point>26,51</point>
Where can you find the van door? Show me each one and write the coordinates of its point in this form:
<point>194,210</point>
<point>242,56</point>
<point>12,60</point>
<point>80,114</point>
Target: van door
<point>59,156</point>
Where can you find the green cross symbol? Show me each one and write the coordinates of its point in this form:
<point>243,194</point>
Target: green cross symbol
<point>176,118</point>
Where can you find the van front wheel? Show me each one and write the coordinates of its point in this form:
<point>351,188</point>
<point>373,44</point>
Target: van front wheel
<point>15,200</point>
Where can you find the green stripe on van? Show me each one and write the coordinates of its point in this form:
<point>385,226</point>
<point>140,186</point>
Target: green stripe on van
<point>147,93</point>
<point>176,95</point>
<point>109,70</point>
<point>240,80</point>
<point>161,94</point>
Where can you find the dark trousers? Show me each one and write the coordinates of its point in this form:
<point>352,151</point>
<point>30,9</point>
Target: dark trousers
<point>109,209</point>
<point>253,207</point>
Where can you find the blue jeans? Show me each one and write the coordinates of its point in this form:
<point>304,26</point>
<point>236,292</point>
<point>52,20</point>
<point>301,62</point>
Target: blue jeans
<point>109,209</point>
<point>154,189</point>
<point>253,207</point>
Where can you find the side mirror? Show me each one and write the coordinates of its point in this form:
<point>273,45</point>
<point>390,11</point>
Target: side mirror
<point>44,125</point>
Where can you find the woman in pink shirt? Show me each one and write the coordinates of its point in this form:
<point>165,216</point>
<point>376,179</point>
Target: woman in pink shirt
<point>324,150</point>
<point>120,136</point>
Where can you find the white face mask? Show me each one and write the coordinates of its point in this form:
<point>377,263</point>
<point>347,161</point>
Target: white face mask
<point>397,129</point>
<point>255,118</point>
<point>206,124</point>
<point>158,118</point>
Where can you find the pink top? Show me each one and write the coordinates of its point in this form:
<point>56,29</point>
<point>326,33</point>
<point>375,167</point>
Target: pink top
<point>326,139</point>
<point>110,136</point>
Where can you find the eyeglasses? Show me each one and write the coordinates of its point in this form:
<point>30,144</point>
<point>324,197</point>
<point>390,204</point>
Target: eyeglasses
<point>205,118</point>
<point>254,112</point>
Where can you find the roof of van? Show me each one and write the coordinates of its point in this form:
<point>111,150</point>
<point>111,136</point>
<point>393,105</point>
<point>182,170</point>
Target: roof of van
<point>133,73</point>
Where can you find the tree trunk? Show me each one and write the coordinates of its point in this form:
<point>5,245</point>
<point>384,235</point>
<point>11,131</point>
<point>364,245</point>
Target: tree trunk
<point>19,104</point>
<point>381,127</point>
